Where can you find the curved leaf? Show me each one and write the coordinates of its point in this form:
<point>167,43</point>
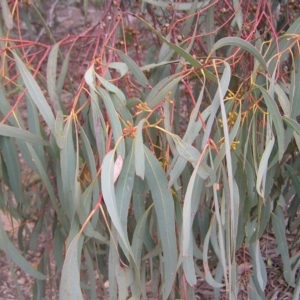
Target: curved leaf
<point>70,280</point>
<point>164,208</point>
<point>238,42</point>
<point>7,246</point>
<point>14,132</point>
<point>36,94</point>
<point>134,68</point>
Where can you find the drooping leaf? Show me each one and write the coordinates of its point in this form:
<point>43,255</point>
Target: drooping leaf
<point>119,66</point>
<point>139,156</point>
<point>14,132</point>
<point>134,68</point>
<point>9,249</point>
<point>238,42</point>
<point>51,76</point>
<point>276,118</point>
<point>279,230</point>
<point>164,208</point>
<point>36,94</point>
<point>70,279</point>
<point>112,88</point>
<point>6,14</point>
<point>114,120</point>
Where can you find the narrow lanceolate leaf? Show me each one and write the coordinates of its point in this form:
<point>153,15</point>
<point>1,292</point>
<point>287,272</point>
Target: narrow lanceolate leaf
<point>223,85</point>
<point>238,16</point>
<point>187,151</point>
<point>138,236</point>
<point>259,269</point>
<point>70,279</point>
<point>124,186</point>
<point>51,76</point>
<point>63,73</point>
<point>10,250</point>
<point>59,128</point>
<point>107,182</point>
<point>164,208</point>
<point>68,170</point>
<point>119,66</point>
<point>177,6</point>
<point>118,167</point>
<point>36,94</point>
<point>11,158</point>
<point>210,280</point>
<point>114,120</point>
<point>159,92</point>
<point>292,123</point>
<point>21,134</point>
<point>112,88</point>
<point>134,68</point>
<point>6,14</point>
<point>238,42</point>
<point>139,156</point>
<point>187,218</point>
<point>263,167</point>
<point>278,223</point>
<point>276,118</point>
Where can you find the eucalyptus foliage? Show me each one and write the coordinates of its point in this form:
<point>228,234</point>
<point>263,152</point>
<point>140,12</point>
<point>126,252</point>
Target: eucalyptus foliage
<point>140,195</point>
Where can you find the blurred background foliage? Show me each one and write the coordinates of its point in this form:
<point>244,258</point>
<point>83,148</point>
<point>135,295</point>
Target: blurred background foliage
<point>153,145</point>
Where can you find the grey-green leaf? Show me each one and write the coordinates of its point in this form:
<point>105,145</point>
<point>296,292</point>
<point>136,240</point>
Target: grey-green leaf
<point>36,93</point>
<point>14,132</point>
<point>70,279</point>
<point>164,208</point>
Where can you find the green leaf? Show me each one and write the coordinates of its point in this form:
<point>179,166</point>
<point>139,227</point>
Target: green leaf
<point>91,274</point>
<point>278,223</point>
<point>62,75</point>
<point>98,124</point>
<point>292,123</point>
<point>217,101</point>
<point>6,14</point>
<point>68,171</point>
<point>138,236</point>
<point>208,277</point>
<point>107,182</point>
<point>138,198</point>
<point>238,42</point>
<point>159,91</point>
<point>70,280</point>
<point>51,76</point>
<point>164,208</point>
<point>124,188</point>
<point>176,6</point>
<point>259,269</point>
<point>238,15</point>
<point>36,94</point>
<point>114,120</point>
<point>188,215</point>
<point>12,162</point>
<point>189,21</point>
<point>134,68</point>
<point>189,58</point>
<point>49,187</point>
<point>10,250</point>
<point>263,167</point>
<point>14,132</point>
<point>283,46</point>
<point>276,118</point>
<point>113,260</point>
<point>119,66</point>
<point>112,88</point>
<point>59,126</point>
<point>139,155</point>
